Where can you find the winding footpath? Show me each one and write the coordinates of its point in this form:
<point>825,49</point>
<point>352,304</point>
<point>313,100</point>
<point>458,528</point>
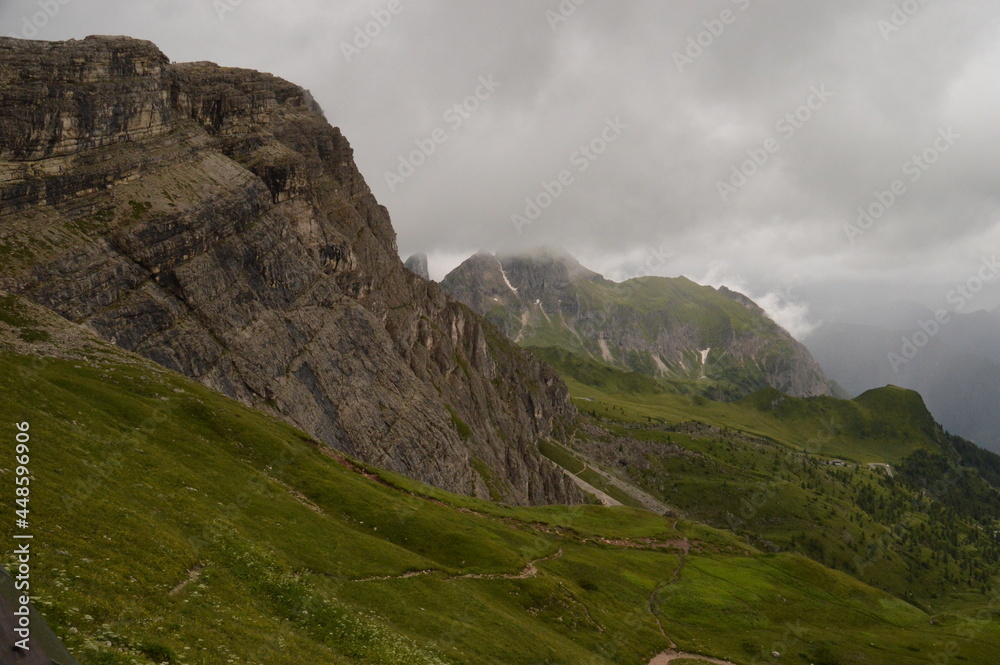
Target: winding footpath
<point>683,547</point>
<point>529,571</point>
<point>672,655</point>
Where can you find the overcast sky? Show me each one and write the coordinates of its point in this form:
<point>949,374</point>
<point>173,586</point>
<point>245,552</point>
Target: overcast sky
<point>670,100</point>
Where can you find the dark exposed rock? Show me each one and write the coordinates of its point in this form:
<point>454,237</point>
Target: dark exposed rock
<point>42,645</point>
<point>212,220</point>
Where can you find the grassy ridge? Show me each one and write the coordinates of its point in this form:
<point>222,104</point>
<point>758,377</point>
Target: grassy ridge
<point>884,426</point>
<point>764,467</point>
<point>625,324</point>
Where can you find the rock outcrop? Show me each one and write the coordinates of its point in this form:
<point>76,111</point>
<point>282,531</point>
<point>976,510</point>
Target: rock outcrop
<point>719,342</point>
<point>211,219</point>
<point>417,264</point>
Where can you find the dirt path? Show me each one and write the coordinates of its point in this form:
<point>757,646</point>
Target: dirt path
<point>647,500</point>
<point>404,576</point>
<point>193,575</point>
<point>669,656</point>
<point>682,545</point>
<point>672,654</point>
<point>684,549</point>
<point>604,498</point>
<point>529,571</point>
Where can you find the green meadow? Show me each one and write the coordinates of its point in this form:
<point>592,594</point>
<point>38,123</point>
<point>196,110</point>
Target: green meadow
<point>173,525</point>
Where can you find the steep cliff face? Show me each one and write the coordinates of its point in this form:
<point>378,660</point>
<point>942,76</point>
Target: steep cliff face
<point>212,220</point>
<point>717,341</point>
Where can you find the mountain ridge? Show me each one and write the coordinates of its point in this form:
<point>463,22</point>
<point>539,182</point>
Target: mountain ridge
<point>957,383</point>
<point>211,219</point>
<point>668,328</point>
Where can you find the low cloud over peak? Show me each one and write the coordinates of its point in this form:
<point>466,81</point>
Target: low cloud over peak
<point>797,144</point>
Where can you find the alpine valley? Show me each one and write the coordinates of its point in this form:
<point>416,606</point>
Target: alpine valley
<point>257,437</point>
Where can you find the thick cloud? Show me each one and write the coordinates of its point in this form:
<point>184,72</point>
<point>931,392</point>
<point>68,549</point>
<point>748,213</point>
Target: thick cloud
<point>886,81</point>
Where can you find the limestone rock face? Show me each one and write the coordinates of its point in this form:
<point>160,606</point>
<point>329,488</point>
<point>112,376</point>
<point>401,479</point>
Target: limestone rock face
<point>211,219</point>
<point>797,372</point>
<point>417,264</point>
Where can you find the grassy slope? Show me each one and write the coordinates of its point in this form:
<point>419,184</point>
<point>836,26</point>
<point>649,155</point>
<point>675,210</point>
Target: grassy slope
<point>883,426</point>
<point>143,480</point>
<point>123,512</point>
<point>773,488</point>
<point>687,301</point>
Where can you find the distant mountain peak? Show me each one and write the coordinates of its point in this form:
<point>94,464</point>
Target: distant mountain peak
<point>417,264</point>
<point>743,300</point>
<point>667,328</point>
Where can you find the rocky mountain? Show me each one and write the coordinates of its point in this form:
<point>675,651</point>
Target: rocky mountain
<point>417,264</point>
<point>210,219</point>
<point>717,341</point>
